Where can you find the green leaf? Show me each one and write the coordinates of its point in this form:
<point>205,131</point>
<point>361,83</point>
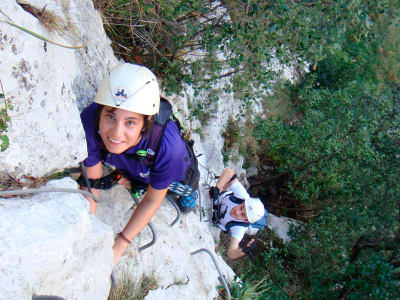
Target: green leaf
<point>5,142</point>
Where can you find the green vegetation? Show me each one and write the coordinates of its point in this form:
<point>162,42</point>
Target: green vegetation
<point>340,157</point>
<point>331,139</point>
<point>4,120</point>
<point>231,137</point>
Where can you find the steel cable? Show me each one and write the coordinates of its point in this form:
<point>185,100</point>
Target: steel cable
<point>221,276</point>
<point>46,190</point>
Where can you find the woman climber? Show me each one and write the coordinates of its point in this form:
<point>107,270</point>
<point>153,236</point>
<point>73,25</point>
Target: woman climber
<point>118,127</point>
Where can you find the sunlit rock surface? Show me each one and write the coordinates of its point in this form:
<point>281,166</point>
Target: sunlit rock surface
<point>51,245</point>
<point>46,83</point>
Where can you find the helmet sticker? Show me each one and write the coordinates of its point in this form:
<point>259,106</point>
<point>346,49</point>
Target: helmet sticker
<point>120,94</point>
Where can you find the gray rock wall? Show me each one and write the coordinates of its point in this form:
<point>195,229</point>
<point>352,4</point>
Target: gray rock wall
<point>178,274</point>
<point>47,84</point>
<point>51,245</point>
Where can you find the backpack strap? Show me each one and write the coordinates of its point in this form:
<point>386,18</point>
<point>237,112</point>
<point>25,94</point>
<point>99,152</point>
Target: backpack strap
<point>230,224</point>
<point>148,155</point>
<point>235,200</point>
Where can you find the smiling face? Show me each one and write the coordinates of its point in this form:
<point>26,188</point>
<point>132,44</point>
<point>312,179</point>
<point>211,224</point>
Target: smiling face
<point>239,212</point>
<point>120,129</point>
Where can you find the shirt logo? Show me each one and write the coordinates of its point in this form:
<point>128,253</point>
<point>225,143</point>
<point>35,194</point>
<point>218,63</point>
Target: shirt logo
<point>145,175</point>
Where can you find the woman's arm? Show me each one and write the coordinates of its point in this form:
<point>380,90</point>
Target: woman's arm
<point>140,218</point>
<point>94,172</point>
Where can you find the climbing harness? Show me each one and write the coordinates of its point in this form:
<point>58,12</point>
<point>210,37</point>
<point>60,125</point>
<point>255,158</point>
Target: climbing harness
<point>187,197</point>
<point>103,183</point>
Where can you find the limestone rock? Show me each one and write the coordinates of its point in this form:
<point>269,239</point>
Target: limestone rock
<point>281,226</point>
<point>46,83</point>
<point>51,245</point>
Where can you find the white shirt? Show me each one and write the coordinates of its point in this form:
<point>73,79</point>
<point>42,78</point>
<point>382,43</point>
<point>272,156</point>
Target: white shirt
<point>240,192</point>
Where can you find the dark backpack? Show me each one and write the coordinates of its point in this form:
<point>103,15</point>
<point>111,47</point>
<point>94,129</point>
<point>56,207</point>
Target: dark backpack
<point>260,224</point>
<point>148,155</point>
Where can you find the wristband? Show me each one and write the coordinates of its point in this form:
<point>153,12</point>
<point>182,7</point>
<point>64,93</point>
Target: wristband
<point>122,236</point>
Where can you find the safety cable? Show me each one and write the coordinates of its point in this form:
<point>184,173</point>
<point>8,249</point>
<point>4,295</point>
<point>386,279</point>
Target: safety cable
<point>176,208</point>
<point>47,298</point>
<point>221,276</point>
<point>210,175</point>
<point>46,190</point>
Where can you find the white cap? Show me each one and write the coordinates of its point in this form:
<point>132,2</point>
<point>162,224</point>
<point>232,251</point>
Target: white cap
<point>254,209</point>
<point>130,87</point>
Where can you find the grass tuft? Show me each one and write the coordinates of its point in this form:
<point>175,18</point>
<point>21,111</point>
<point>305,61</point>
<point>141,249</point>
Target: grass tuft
<point>51,21</point>
<point>127,289</point>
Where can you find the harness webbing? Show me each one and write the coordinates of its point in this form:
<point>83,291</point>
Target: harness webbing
<point>103,183</point>
<point>107,182</point>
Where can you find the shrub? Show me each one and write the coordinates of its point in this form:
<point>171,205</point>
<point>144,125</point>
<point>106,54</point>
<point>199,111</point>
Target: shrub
<point>342,154</point>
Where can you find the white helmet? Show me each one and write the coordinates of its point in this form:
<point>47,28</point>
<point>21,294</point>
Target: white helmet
<point>254,209</point>
<point>130,87</point>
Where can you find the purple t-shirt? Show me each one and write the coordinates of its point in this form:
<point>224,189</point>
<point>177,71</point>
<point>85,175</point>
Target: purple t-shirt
<point>170,164</point>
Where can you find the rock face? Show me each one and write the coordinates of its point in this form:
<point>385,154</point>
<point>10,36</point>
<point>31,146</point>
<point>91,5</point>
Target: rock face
<point>179,275</point>
<point>46,83</point>
<point>51,245</point>
<point>281,226</point>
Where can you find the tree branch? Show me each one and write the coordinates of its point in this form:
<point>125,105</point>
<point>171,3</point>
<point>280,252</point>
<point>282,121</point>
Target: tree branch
<point>225,75</point>
<point>382,244</point>
<point>303,166</point>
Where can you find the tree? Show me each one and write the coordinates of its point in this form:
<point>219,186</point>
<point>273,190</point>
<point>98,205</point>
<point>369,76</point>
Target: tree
<point>342,154</point>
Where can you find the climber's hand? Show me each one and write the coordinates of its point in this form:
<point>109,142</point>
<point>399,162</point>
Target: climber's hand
<point>125,182</point>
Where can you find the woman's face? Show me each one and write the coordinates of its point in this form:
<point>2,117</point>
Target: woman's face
<point>120,129</point>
